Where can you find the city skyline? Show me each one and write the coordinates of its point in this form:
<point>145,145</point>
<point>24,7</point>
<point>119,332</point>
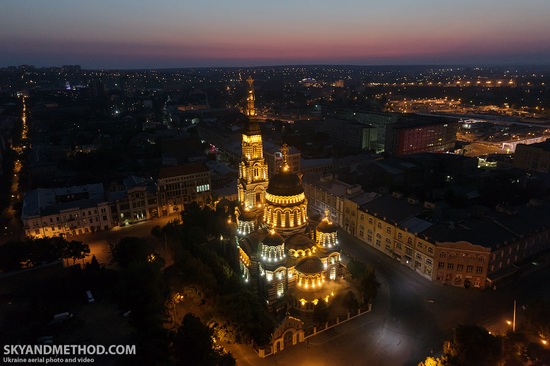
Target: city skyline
<point>243,33</point>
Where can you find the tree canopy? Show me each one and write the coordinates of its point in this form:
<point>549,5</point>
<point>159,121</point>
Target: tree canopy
<point>193,344</point>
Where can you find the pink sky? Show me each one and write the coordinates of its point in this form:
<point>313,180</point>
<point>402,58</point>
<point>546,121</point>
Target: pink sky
<point>241,32</point>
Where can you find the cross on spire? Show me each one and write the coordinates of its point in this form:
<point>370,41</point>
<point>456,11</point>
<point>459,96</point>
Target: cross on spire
<point>284,166</point>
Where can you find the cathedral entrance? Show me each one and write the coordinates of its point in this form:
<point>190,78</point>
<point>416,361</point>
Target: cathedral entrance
<point>288,338</point>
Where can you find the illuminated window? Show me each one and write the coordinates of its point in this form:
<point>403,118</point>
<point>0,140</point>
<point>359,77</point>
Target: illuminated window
<point>280,289</point>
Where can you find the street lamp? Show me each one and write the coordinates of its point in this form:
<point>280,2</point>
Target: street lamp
<point>176,299</point>
<point>514,321</point>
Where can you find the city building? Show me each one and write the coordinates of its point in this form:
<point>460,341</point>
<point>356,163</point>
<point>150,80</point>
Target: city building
<point>378,120</point>
<point>133,200</point>
<point>181,184</point>
<point>414,134</point>
<point>68,211</point>
<point>533,158</point>
<point>274,158</point>
<point>476,247</point>
<point>348,133</point>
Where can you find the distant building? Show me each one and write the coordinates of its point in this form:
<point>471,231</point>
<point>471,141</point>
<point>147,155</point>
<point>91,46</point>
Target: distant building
<point>326,192</point>
<point>182,184</point>
<point>67,211</point>
<point>347,133</point>
<point>378,120</point>
<point>274,158</point>
<point>414,134</point>
<point>533,158</point>
<point>133,200</point>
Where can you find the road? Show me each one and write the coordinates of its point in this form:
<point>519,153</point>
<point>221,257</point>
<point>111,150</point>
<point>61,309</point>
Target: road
<point>99,241</point>
<point>410,318</point>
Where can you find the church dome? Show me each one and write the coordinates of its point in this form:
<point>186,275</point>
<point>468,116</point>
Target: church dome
<point>273,240</point>
<point>310,265</point>
<point>252,128</point>
<point>285,184</point>
<point>327,227</point>
<point>248,215</point>
<point>285,202</point>
<point>299,242</point>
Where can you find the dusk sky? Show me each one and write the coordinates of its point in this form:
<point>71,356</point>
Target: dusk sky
<point>180,33</point>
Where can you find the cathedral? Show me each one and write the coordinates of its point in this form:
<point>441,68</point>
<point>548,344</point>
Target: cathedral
<point>282,255</point>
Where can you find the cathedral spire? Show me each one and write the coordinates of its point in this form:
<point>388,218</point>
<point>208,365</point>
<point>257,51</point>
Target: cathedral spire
<point>284,166</point>
<point>250,98</point>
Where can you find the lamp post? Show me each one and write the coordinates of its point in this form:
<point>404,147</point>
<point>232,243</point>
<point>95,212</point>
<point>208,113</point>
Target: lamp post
<point>514,319</point>
<point>176,299</point>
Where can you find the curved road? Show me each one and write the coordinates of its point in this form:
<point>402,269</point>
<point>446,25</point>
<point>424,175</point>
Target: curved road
<point>410,318</point>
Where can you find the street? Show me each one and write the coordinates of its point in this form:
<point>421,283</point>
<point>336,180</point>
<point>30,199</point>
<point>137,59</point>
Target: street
<point>99,241</point>
<point>411,317</point>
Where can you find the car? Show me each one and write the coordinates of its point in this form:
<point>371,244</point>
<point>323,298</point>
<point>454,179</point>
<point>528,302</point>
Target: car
<point>89,296</point>
<point>61,317</point>
<point>45,340</point>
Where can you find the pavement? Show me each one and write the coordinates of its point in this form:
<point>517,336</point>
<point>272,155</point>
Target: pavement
<point>99,241</point>
<point>410,319</point>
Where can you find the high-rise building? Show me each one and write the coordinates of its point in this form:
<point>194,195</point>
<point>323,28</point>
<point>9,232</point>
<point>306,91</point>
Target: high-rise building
<point>416,134</point>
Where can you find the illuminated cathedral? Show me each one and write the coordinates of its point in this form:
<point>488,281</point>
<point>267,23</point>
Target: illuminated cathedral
<point>282,256</point>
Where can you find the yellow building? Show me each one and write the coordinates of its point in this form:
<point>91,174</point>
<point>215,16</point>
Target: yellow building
<point>281,256</point>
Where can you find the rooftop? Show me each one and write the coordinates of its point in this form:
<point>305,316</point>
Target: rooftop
<point>392,209</point>
<point>43,201</point>
<point>179,170</point>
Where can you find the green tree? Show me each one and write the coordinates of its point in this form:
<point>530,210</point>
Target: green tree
<point>537,318</point>
<point>356,268</point>
<point>142,289</point>
<point>45,250</point>
<point>157,232</point>
<point>320,312</point>
<point>473,345</point>
<point>130,249</point>
<point>193,344</point>
<point>368,286</point>
<point>78,250</point>
<point>12,254</point>
<point>350,301</point>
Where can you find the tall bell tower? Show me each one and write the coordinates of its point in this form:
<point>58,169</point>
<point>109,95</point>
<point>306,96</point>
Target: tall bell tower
<point>253,170</point>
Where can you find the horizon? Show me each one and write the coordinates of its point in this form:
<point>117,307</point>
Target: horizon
<point>241,33</point>
<point>460,66</point>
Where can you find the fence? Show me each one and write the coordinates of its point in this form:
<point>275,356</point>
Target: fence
<point>300,335</point>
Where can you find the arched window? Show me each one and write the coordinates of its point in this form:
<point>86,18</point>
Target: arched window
<point>332,273</point>
<point>280,289</point>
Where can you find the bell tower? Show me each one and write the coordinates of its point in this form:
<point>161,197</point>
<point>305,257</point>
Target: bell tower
<point>253,170</point>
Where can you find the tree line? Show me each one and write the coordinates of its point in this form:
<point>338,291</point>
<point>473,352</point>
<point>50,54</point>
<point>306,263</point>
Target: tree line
<point>15,255</point>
